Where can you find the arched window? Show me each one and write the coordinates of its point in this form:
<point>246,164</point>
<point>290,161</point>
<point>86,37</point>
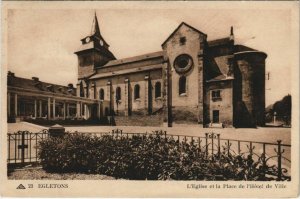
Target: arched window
<point>136,91</point>
<point>182,85</point>
<point>118,93</point>
<point>157,89</point>
<point>101,94</point>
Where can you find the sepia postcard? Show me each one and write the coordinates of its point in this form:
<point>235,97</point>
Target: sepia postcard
<point>150,99</point>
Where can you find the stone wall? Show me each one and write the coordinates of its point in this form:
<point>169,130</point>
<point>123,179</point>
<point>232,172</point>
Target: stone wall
<point>224,104</point>
<point>193,47</point>
<point>249,94</point>
<point>138,106</point>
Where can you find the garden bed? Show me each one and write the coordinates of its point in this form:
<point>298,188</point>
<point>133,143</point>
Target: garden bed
<point>150,157</point>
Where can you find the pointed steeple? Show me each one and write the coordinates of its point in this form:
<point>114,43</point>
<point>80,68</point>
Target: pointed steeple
<point>95,27</point>
<point>231,37</point>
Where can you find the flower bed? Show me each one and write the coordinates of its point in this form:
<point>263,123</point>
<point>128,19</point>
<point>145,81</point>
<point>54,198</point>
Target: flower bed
<point>139,157</point>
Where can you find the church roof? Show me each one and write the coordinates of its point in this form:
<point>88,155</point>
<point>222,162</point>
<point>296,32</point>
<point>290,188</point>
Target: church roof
<point>182,23</point>
<point>134,59</point>
<point>219,42</point>
<point>220,78</point>
<point>35,85</point>
<point>242,48</point>
<point>127,71</point>
<point>91,46</point>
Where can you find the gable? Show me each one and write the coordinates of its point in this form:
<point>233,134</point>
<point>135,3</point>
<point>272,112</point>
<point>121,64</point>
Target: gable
<point>183,26</point>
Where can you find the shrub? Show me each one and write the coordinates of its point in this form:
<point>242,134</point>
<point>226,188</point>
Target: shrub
<point>139,157</point>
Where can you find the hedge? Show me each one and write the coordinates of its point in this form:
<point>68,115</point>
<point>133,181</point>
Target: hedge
<point>141,157</point>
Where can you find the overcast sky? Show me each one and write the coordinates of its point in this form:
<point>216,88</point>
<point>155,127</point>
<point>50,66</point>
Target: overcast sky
<point>42,42</point>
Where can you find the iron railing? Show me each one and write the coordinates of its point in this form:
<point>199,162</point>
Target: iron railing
<point>22,146</point>
<point>275,157</point>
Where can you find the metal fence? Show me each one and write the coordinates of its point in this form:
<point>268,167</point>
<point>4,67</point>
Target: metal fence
<point>22,146</point>
<point>274,157</point>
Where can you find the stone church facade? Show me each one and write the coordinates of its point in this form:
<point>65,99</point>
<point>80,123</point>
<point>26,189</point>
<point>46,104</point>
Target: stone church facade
<point>190,79</point>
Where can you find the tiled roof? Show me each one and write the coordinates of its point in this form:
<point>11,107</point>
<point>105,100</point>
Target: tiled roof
<point>242,48</point>
<point>126,71</point>
<point>182,23</point>
<point>220,78</point>
<point>85,47</point>
<point>218,42</point>
<point>134,59</point>
<point>36,85</point>
<point>90,46</point>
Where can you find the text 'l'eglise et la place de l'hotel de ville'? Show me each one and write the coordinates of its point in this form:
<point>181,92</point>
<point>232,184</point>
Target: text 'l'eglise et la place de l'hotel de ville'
<point>200,81</point>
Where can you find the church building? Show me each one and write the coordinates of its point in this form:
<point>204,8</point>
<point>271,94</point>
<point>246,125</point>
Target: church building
<point>191,79</point>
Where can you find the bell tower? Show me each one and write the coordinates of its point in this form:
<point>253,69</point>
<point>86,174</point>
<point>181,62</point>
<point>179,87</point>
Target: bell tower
<point>93,52</point>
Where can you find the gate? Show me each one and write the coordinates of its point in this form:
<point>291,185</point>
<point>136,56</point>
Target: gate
<point>22,146</point>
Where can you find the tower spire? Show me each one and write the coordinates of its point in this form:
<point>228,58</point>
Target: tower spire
<point>95,26</point>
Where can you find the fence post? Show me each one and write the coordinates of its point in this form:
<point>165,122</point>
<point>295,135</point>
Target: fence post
<point>263,157</point>
<point>228,148</point>
<point>250,150</point>
<point>206,144</point>
<point>279,153</point>
<point>212,146</point>
<point>56,131</point>
<point>23,148</point>
<point>219,146</point>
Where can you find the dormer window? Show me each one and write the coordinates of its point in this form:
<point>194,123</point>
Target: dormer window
<point>70,90</point>
<point>50,88</point>
<point>182,40</point>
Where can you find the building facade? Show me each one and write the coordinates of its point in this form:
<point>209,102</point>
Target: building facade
<point>33,99</point>
<point>191,80</point>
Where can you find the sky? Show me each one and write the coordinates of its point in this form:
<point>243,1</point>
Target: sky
<point>42,42</point>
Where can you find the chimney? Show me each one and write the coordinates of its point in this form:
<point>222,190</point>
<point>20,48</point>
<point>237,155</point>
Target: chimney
<point>70,86</point>
<point>10,74</point>
<point>36,79</point>
<point>231,37</point>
